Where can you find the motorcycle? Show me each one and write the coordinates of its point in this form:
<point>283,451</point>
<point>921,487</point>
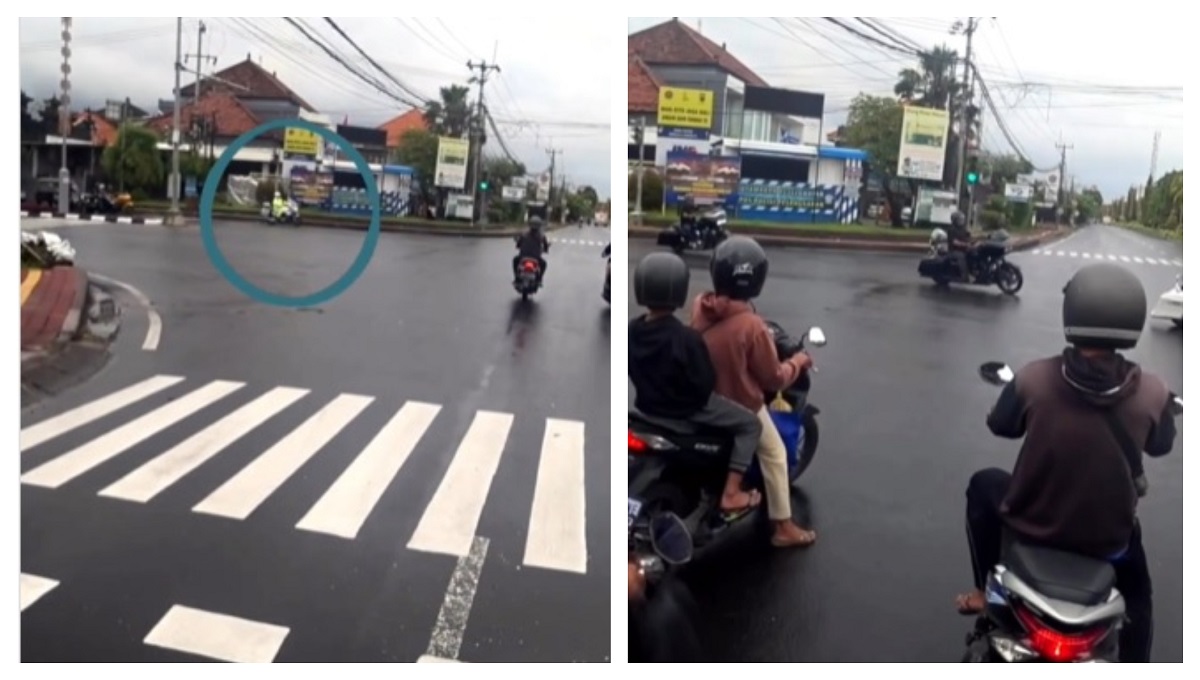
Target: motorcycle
<point>528,277</point>
<point>1045,604</point>
<point>607,279</point>
<point>987,264</point>
<point>661,625</point>
<point>705,234</point>
<point>1170,304</point>
<point>291,216</point>
<point>679,467</point>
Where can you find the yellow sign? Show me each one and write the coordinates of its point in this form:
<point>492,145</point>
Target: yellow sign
<point>682,108</point>
<point>301,142</point>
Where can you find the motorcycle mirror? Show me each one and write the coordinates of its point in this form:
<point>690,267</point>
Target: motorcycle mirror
<point>1177,406</point>
<point>670,538</point>
<point>816,337</point>
<point>996,373</point>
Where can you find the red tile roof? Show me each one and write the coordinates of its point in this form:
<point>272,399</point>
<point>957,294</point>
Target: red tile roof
<point>643,87</point>
<point>232,118</point>
<point>104,131</point>
<point>413,119</point>
<point>674,42</point>
<point>256,81</point>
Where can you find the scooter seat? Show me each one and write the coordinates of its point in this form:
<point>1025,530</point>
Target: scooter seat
<point>1062,575</point>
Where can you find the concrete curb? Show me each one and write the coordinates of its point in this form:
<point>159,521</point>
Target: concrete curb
<point>507,231</point>
<point>74,318</point>
<point>111,219</point>
<point>863,245</point>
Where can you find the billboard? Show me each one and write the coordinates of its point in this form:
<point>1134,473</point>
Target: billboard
<point>300,142</point>
<point>923,138</point>
<point>451,169</point>
<point>709,180</point>
<point>684,113</point>
<point>1018,193</point>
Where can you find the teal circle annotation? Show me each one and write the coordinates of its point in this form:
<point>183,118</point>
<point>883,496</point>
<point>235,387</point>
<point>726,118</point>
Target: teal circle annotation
<point>209,238</point>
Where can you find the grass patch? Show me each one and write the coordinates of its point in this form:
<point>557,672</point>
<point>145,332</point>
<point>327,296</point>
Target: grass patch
<point>1163,234</point>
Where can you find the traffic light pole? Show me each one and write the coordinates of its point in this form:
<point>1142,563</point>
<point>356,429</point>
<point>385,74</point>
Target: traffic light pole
<point>963,119</point>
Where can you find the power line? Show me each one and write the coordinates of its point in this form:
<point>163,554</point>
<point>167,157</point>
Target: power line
<point>403,88</point>
<point>361,76</point>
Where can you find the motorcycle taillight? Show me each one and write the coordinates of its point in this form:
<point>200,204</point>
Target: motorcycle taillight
<point>530,265</point>
<point>1056,646</point>
<point>636,445</point>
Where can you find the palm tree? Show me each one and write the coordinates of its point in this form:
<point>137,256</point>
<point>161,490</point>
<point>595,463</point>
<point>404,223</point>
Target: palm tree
<point>934,85</point>
<point>451,116</point>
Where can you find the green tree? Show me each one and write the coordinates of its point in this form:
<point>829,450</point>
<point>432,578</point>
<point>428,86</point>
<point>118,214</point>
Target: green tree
<point>652,191</point>
<point>449,116</point>
<point>1001,169</point>
<point>873,125</point>
<point>136,160</point>
<point>1162,206</point>
<point>932,84</point>
<point>500,172</point>
<point>418,150</point>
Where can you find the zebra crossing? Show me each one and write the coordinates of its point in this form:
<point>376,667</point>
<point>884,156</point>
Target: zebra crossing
<point>1126,259</point>
<point>555,535</point>
<point>579,242</point>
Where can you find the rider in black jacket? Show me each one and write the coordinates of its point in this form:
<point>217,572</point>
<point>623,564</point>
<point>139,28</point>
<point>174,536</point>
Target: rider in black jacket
<point>532,244</point>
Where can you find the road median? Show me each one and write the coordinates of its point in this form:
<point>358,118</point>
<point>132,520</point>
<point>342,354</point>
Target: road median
<point>904,241</point>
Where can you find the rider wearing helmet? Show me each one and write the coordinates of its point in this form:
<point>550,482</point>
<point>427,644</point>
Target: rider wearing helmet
<point>1085,415</point>
<point>532,244</point>
<point>674,377</point>
<point>279,206</point>
<point>743,352</point>
<point>687,217</point>
<point>960,242</point>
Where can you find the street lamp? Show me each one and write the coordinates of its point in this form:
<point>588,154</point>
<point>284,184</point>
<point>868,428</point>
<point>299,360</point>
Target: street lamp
<point>64,119</point>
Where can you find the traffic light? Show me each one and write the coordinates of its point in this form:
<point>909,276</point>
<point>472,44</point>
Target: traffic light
<point>973,170</point>
<point>972,178</point>
<point>483,185</point>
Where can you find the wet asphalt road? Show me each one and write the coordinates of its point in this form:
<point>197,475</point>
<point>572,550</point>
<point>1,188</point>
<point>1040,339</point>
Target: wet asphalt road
<point>902,429</point>
<point>433,326</point>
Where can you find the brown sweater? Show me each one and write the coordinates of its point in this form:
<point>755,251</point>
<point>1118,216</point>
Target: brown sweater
<point>742,350</point>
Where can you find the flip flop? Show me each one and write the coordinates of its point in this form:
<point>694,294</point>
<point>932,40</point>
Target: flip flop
<point>810,540</point>
<point>966,607</point>
<point>734,514</point>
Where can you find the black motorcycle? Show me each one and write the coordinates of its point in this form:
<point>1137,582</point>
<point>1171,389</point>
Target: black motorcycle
<point>661,622</point>
<point>708,230</point>
<point>529,275</point>
<point>1045,604</point>
<point>607,277</point>
<point>679,467</point>
<point>987,264</point>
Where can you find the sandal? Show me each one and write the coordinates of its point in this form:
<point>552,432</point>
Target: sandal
<point>730,515</point>
<point>970,604</point>
<point>807,537</point>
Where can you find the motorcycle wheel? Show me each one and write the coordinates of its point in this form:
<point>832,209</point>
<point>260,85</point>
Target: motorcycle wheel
<point>812,437</point>
<point>1009,279</point>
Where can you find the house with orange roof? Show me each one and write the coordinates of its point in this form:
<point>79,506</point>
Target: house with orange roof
<point>774,164</point>
<point>413,119</point>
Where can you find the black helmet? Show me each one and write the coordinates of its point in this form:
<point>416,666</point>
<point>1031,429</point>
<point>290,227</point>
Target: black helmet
<point>536,222</point>
<point>1104,306</point>
<point>738,268</point>
<point>957,218</point>
<point>660,281</point>
<point>687,205</point>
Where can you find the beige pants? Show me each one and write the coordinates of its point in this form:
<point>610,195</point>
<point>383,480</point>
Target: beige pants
<point>772,458</point>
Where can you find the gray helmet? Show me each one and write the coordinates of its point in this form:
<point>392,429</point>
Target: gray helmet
<point>536,223</point>
<point>660,281</point>
<point>1104,306</point>
<point>957,218</point>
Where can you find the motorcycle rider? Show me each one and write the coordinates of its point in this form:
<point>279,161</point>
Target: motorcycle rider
<point>532,244</point>
<point>688,223</point>
<point>747,365</point>
<point>1084,415</point>
<point>674,377</point>
<point>279,206</point>
<point>960,243</point>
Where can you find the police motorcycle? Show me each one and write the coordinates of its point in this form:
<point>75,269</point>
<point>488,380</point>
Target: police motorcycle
<point>1047,605</point>
<point>701,231</point>
<point>987,263</point>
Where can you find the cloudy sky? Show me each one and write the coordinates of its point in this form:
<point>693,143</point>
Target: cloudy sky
<point>551,93</point>
<point>1051,81</point>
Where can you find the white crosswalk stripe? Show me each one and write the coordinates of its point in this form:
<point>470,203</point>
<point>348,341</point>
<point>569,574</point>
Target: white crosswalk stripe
<point>33,588</point>
<point>1127,259</point>
<point>204,427</point>
<point>578,242</point>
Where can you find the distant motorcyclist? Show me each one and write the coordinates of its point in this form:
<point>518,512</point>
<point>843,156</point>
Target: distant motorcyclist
<point>960,243</point>
<point>279,206</point>
<point>1086,416</point>
<point>687,217</point>
<point>532,244</point>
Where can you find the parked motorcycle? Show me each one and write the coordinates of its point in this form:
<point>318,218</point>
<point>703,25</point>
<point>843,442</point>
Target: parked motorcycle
<point>291,216</point>
<point>680,467</point>
<point>987,264</point>
<point>705,234</point>
<point>528,277</point>
<point>1045,604</point>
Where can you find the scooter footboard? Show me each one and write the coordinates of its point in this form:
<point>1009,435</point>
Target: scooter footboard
<point>932,266</point>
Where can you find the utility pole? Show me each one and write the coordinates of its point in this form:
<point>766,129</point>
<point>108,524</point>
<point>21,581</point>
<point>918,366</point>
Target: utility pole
<point>64,120</point>
<point>550,198</point>
<point>639,138</point>
<point>122,135</point>
<point>1154,158</point>
<point>200,61</point>
<point>963,120</point>
<point>1062,170</point>
<point>173,214</point>
<point>477,129</point>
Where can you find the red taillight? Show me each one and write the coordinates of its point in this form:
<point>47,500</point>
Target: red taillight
<point>636,445</point>
<point>530,266</point>
<point>1054,646</point>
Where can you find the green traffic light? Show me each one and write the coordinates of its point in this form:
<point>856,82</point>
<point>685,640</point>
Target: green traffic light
<point>483,185</point>
<point>972,177</point>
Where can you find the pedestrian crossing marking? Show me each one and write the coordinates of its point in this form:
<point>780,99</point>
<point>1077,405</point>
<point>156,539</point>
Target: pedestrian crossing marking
<point>217,636</point>
<point>152,478</point>
<point>425,658</point>
<point>242,494</point>
<point>1128,259</point>
<point>449,522</point>
<point>345,506</point>
<point>578,242</point>
<point>555,539</point>
<point>66,467</point>
<point>33,588</point>
<point>63,423</point>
